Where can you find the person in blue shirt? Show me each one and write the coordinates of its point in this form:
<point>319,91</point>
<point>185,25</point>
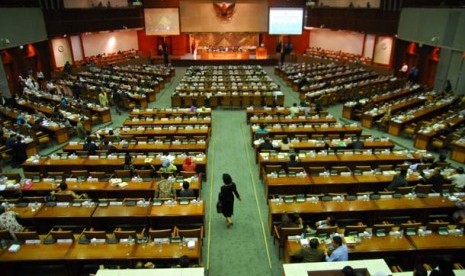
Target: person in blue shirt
<point>339,253</point>
<point>64,103</point>
<point>261,130</point>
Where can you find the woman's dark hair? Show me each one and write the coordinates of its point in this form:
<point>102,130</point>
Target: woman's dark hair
<point>292,157</point>
<point>127,158</point>
<point>403,172</point>
<point>184,261</point>
<point>348,271</point>
<point>331,221</point>
<point>227,179</point>
<point>63,186</point>
<point>185,185</point>
<point>419,270</point>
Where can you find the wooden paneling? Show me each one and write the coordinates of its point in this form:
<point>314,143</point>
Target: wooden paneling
<point>161,4</point>
<point>373,21</point>
<point>76,21</point>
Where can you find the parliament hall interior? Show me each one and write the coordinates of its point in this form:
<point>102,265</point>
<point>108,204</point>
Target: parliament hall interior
<point>232,137</point>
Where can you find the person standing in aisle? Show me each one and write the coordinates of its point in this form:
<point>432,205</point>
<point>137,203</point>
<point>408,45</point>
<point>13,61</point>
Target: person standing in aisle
<point>226,196</point>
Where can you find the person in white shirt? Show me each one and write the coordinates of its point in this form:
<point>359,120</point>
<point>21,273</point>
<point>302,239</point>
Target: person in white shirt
<point>294,109</point>
<point>458,179</point>
<point>403,70</point>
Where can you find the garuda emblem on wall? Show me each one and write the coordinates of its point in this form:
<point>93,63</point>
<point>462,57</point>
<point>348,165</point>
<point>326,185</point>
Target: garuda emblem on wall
<point>224,9</point>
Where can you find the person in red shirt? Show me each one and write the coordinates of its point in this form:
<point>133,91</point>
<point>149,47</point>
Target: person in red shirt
<point>189,165</point>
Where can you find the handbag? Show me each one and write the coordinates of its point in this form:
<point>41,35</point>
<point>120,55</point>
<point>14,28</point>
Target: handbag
<point>219,207</point>
<point>219,204</point>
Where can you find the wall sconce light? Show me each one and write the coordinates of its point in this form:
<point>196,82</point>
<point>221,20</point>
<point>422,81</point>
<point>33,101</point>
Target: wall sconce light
<point>5,40</point>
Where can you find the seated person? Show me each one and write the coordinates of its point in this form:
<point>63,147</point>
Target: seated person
<point>357,144</point>
<point>149,166</point>
<point>90,146</point>
<point>189,165</point>
<point>338,252</point>
<point>186,192</point>
<point>8,221</point>
<point>284,144</point>
<point>311,253</point>
<point>399,180</point>
<point>261,130</point>
<point>167,167</point>
<point>116,135</point>
<point>165,187</point>
<point>458,179</point>
<point>293,163</point>
<point>436,179</point>
<point>63,190</point>
<point>291,220</point>
<point>294,110</point>
<point>441,160</point>
<point>266,145</point>
<point>328,222</point>
<point>128,162</point>
<point>108,147</point>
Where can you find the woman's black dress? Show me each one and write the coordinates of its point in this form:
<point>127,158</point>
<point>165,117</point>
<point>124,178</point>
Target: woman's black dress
<point>227,198</point>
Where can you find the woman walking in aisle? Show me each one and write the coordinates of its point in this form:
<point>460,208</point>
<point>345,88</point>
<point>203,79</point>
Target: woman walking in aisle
<point>226,196</point>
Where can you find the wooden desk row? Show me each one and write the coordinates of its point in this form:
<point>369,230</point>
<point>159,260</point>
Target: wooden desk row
<point>407,248</point>
<point>368,211</point>
<point>168,122</point>
<point>148,147</point>
<point>171,131</point>
<point>292,120</point>
<point>368,118</point>
<point>107,165</point>
<point>108,218</point>
<point>309,130</point>
<point>31,146</point>
<point>172,111</point>
<point>103,189</point>
<point>60,133</point>
<point>74,118</point>
<point>316,145</point>
<point>71,257</point>
<point>103,112</point>
<point>348,109</point>
<point>351,184</point>
<point>396,125</point>
<point>251,111</point>
<point>423,138</point>
<point>350,160</point>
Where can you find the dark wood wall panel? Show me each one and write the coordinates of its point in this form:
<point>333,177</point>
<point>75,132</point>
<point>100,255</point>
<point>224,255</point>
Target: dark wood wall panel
<point>161,4</point>
<point>373,21</point>
<point>75,21</point>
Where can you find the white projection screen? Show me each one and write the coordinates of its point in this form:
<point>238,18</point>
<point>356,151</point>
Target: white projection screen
<point>162,21</point>
<point>286,21</point>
